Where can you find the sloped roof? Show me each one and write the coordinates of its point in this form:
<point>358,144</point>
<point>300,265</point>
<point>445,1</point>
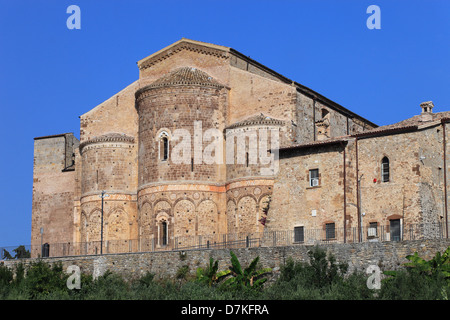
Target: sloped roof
<point>408,125</point>
<point>413,121</point>
<point>225,53</point>
<point>317,143</point>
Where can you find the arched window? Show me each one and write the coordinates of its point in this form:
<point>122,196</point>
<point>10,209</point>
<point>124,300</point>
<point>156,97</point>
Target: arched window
<point>163,146</point>
<point>385,169</point>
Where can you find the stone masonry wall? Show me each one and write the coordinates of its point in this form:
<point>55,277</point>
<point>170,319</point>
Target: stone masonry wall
<point>386,255</point>
<point>53,191</point>
<point>413,194</point>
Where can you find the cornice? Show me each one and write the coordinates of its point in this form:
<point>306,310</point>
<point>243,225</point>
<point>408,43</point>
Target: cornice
<point>260,120</point>
<point>183,45</point>
<point>184,76</point>
<point>110,137</point>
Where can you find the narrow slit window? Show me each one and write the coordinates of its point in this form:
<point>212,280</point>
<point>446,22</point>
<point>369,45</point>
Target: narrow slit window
<point>163,146</point>
<point>385,169</point>
<point>164,233</point>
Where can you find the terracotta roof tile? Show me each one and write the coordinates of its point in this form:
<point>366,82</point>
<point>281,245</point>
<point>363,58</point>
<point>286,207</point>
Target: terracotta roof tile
<point>186,76</point>
<point>413,121</point>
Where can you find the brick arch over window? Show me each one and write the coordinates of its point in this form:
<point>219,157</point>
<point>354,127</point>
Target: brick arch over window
<point>162,205</point>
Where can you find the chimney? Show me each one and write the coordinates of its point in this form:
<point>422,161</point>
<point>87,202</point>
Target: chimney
<point>427,113</point>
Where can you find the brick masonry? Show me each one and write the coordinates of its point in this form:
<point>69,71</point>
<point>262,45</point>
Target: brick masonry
<point>122,141</point>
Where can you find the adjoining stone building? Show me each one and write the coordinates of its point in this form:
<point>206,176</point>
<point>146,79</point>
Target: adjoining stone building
<point>157,197</point>
<point>387,183</point>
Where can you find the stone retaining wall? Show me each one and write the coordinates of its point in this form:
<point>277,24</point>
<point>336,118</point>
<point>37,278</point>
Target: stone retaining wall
<point>386,255</point>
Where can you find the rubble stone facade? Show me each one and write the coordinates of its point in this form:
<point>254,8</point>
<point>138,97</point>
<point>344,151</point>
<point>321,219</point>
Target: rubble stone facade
<point>387,183</point>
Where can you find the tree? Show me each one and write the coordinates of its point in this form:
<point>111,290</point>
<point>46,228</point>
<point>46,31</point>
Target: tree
<point>6,255</point>
<point>438,265</point>
<point>20,251</point>
<point>249,277</point>
<point>209,275</point>
<point>326,270</point>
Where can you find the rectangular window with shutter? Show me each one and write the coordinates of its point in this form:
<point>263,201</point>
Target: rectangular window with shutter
<point>314,177</point>
<point>330,231</point>
<point>372,230</point>
<point>299,235</point>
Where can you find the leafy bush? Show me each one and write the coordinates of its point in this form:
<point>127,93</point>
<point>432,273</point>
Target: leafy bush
<point>210,274</point>
<point>321,278</point>
<point>6,275</point>
<point>421,279</point>
<point>182,272</point>
<point>248,278</point>
<point>410,285</point>
<point>42,279</point>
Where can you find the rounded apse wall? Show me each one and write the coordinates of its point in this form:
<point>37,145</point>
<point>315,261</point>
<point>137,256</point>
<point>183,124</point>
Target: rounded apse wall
<point>183,100</point>
<point>109,164</point>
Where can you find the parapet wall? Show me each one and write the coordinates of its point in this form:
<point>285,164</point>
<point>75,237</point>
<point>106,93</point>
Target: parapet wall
<point>386,255</point>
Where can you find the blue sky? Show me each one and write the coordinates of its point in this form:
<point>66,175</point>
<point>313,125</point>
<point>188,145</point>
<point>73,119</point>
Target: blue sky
<point>50,75</point>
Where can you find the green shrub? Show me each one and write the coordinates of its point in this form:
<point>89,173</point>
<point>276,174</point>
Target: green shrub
<point>6,275</point>
<point>42,279</point>
<point>244,279</point>
<point>320,278</point>
<point>210,275</point>
<point>182,272</point>
<point>109,286</point>
<point>421,279</point>
<point>411,285</point>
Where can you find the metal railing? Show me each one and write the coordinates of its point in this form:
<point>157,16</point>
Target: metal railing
<point>302,236</point>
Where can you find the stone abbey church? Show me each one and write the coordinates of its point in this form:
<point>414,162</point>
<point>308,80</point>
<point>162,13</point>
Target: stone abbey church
<point>336,171</point>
